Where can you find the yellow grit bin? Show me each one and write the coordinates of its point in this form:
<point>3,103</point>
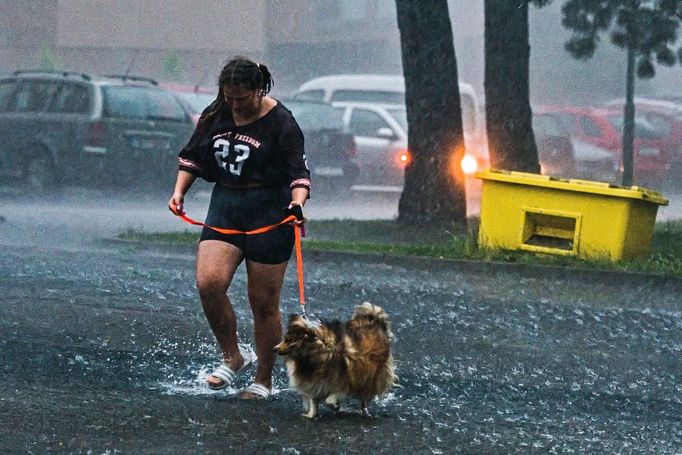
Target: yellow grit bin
<point>543,214</point>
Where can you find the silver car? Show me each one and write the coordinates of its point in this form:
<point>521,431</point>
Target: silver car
<point>380,133</point>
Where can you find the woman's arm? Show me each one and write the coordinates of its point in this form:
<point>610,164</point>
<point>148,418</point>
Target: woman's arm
<point>182,184</point>
<point>299,195</point>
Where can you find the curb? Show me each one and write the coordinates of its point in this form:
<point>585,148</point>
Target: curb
<point>552,272</point>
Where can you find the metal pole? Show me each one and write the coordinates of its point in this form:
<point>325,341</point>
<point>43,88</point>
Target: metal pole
<point>629,120</point>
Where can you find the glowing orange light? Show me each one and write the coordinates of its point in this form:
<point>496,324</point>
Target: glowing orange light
<point>404,157</point>
<point>469,164</point>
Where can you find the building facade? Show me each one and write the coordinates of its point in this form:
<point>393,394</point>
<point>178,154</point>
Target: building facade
<point>188,40</point>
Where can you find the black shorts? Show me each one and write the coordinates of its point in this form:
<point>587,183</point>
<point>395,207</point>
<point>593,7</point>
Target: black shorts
<point>247,209</point>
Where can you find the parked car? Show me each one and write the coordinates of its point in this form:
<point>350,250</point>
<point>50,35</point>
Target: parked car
<point>195,97</point>
<point>382,90</point>
<point>649,103</point>
<point>666,117</point>
<point>381,135</point>
<point>603,128</point>
<point>555,149</point>
<point>592,162</point>
<point>329,147</point>
<point>68,127</point>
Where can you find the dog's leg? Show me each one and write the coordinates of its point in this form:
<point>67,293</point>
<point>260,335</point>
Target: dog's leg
<point>307,404</point>
<point>333,402</point>
<point>313,404</point>
<point>364,408</point>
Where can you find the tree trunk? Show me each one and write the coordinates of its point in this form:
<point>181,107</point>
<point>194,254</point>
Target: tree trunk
<point>511,142</point>
<point>629,120</point>
<point>434,181</point>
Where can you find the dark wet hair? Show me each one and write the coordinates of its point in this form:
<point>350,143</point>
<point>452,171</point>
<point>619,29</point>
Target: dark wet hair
<point>242,71</point>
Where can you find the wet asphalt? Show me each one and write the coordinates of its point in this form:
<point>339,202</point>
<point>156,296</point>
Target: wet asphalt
<point>103,349</point>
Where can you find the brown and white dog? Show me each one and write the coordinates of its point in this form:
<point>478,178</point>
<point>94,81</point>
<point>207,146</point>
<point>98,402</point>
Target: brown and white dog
<point>332,360</point>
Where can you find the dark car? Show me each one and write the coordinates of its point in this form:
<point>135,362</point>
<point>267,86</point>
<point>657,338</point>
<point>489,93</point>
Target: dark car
<point>330,148</point>
<point>59,128</point>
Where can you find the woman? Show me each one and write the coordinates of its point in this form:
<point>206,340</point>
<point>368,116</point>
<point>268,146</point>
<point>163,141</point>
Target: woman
<point>251,146</point>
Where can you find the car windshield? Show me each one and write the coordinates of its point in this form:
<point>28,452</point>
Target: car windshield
<point>400,115</point>
<point>643,128</point>
<point>547,125</point>
<point>315,116</point>
<point>196,101</point>
<point>566,120</point>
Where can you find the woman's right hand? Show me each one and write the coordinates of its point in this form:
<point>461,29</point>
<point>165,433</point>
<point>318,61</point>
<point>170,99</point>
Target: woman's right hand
<point>176,203</point>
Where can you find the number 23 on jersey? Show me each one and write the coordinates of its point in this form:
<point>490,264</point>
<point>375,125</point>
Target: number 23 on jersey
<point>230,158</point>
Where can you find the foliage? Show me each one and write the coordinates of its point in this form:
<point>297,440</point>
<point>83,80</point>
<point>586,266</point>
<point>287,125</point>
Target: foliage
<point>172,67</point>
<point>451,242</point>
<point>48,60</point>
<point>649,27</point>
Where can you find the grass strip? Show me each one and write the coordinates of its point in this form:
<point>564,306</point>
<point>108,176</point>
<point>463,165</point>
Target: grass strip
<point>389,237</point>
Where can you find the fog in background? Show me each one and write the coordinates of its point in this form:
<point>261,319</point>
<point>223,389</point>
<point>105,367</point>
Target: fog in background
<point>188,40</point>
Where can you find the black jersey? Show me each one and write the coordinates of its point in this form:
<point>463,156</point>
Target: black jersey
<point>268,151</point>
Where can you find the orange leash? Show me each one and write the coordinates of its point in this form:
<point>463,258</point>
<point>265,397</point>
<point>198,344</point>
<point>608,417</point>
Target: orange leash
<point>299,268</point>
<point>261,230</point>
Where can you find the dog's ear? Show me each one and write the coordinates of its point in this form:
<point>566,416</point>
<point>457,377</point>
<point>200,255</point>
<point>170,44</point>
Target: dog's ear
<point>298,325</point>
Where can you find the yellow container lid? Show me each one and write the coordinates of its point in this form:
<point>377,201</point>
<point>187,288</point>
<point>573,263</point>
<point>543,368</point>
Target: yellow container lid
<point>583,186</point>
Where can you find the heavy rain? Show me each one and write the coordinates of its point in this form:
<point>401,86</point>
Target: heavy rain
<point>104,347</point>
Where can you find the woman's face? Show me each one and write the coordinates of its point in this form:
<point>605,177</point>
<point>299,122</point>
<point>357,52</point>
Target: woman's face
<point>241,100</point>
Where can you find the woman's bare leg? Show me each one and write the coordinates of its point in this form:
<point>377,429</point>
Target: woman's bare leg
<point>265,285</point>
<point>217,262</point>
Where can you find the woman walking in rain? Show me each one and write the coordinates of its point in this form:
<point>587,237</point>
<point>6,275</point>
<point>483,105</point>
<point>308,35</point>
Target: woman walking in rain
<point>252,147</point>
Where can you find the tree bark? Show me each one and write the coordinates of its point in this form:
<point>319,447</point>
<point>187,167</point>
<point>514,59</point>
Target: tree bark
<point>511,142</point>
<point>434,181</point>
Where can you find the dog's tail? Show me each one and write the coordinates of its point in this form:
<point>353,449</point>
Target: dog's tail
<point>374,313</point>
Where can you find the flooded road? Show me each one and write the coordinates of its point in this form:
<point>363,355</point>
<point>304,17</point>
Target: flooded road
<point>103,349</point>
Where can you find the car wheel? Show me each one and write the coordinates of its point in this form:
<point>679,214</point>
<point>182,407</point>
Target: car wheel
<point>40,174</point>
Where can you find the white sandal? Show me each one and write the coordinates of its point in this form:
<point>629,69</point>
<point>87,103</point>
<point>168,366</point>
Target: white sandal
<point>227,374</point>
<point>258,390</point>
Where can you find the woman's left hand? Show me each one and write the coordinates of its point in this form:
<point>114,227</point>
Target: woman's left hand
<point>296,209</point>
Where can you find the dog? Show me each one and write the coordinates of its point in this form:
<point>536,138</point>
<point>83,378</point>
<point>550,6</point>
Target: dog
<point>329,361</point>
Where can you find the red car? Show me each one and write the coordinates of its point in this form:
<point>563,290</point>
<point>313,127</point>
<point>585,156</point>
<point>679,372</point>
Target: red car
<point>194,97</point>
<point>603,127</point>
<point>667,118</point>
